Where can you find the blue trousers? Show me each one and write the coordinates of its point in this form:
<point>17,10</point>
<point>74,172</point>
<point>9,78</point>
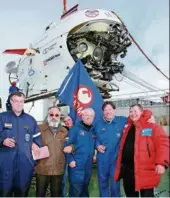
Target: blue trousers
<point>79,178</point>
<point>17,182</point>
<point>15,175</point>
<point>107,186</point>
<point>79,190</point>
<point>65,176</point>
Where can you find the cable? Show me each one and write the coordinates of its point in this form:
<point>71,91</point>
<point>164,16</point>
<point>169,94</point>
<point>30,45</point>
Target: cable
<point>147,57</point>
<point>31,107</point>
<point>138,80</point>
<point>126,80</point>
<point>133,83</point>
<point>140,49</point>
<point>118,77</point>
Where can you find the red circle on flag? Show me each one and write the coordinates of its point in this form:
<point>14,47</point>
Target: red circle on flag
<point>84,96</point>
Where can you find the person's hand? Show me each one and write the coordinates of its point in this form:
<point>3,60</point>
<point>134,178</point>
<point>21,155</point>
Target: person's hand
<point>9,142</point>
<point>101,148</point>
<point>151,119</point>
<point>36,149</point>
<point>160,169</point>
<point>68,149</point>
<point>72,164</point>
<point>94,159</point>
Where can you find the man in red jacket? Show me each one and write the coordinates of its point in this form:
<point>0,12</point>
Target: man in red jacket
<point>143,154</point>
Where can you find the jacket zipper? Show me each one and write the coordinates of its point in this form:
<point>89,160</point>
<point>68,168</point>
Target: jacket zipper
<point>149,153</point>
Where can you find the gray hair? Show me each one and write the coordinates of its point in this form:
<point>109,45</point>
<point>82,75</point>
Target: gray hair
<point>88,109</point>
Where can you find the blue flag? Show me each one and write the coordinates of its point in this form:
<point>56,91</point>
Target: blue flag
<point>79,92</point>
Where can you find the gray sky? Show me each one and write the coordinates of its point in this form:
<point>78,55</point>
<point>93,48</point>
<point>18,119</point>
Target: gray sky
<point>23,21</point>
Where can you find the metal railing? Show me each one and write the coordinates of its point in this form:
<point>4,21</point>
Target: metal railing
<point>148,98</point>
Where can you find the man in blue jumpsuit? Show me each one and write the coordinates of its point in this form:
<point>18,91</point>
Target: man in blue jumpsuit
<point>18,131</point>
<point>81,136</point>
<point>108,134</point>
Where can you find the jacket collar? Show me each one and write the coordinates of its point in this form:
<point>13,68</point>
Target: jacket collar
<point>113,120</point>
<point>45,127</point>
<point>22,113</point>
<point>80,123</point>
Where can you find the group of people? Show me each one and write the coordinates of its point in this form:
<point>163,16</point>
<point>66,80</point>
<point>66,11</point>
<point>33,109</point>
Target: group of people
<point>134,149</point>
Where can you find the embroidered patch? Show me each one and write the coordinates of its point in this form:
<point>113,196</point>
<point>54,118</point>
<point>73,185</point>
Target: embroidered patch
<point>118,134</point>
<point>103,130</point>
<point>8,125</point>
<point>147,132</point>
<point>82,133</point>
<point>27,137</point>
<point>26,127</point>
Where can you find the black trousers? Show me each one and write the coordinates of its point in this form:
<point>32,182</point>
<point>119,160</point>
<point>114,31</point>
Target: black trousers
<point>15,192</point>
<point>129,186</point>
<point>43,181</point>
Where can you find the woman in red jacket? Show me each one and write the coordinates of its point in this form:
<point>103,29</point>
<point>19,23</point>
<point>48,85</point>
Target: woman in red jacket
<point>143,154</point>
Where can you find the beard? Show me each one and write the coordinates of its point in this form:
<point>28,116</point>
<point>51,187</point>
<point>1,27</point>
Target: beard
<point>53,123</point>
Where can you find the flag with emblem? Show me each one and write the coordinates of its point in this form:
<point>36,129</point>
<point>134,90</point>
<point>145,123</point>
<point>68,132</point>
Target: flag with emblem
<point>79,92</point>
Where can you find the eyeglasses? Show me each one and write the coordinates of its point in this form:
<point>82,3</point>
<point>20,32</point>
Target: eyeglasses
<point>54,115</point>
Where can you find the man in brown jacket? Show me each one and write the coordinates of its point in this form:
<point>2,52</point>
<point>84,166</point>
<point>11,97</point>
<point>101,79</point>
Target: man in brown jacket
<point>50,170</point>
